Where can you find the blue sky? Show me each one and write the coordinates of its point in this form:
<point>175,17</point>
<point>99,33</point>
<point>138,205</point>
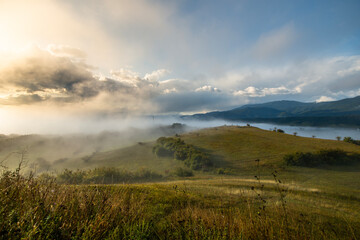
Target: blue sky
<point>147,56</point>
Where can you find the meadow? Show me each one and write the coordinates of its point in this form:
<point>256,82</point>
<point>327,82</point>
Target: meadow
<point>248,193</point>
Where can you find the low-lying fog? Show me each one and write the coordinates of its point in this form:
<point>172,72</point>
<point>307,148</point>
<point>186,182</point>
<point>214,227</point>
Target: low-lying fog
<point>67,125</point>
<point>56,143</point>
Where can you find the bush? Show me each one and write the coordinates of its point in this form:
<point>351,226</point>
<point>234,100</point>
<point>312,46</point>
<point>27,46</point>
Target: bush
<point>224,171</point>
<point>182,172</point>
<point>71,177</point>
<point>160,151</point>
<point>350,140</point>
<point>192,157</point>
<point>322,157</point>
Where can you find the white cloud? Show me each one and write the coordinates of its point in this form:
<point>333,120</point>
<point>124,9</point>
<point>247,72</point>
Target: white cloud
<point>324,99</point>
<point>257,92</point>
<point>207,88</point>
<point>66,51</point>
<point>156,75</point>
<point>336,77</point>
<point>167,91</point>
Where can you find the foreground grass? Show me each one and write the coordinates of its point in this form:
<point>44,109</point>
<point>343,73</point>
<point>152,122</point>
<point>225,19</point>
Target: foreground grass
<point>230,208</point>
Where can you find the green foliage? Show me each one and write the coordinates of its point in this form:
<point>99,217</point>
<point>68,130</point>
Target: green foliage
<point>321,157</point>
<point>225,171</point>
<point>106,176</point>
<point>160,151</point>
<point>350,140</point>
<point>192,157</point>
<point>183,172</point>
<point>280,130</point>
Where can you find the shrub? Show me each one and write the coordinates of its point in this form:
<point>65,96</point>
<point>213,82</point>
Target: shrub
<point>182,172</point>
<point>322,157</point>
<point>350,140</point>
<point>192,157</point>
<point>224,171</point>
<point>160,151</point>
<point>70,177</point>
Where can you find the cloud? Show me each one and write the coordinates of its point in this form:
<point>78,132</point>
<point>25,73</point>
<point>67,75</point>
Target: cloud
<point>274,43</point>
<point>156,75</point>
<point>324,99</point>
<point>256,92</point>
<point>66,51</point>
<point>40,73</point>
<point>207,88</point>
<point>38,76</point>
<point>167,91</point>
<point>305,80</point>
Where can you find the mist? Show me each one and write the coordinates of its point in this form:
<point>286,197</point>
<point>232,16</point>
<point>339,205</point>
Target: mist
<point>68,137</point>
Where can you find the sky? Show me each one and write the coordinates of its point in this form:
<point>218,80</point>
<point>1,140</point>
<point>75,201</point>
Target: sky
<point>145,57</point>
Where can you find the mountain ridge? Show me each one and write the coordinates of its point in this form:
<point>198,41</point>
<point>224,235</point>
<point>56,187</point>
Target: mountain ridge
<point>344,112</point>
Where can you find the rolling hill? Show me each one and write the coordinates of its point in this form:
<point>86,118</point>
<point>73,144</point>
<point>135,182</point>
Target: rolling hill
<point>231,147</point>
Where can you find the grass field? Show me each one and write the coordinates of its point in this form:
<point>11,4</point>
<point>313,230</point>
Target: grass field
<point>262,199</point>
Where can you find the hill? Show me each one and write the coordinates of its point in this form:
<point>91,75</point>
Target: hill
<point>231,147</point>
<point>52,152</point>
<point>238,147</point>
<point>345,112</point>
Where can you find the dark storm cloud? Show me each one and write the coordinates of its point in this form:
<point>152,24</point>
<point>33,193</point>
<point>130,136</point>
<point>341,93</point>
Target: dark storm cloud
<point>42,72</point>
<point>41,76</point>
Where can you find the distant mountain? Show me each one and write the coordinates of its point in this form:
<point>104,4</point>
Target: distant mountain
<point>345,112</point>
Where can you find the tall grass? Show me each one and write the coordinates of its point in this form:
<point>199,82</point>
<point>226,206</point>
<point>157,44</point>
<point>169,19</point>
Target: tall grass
<point>105,175</point>
<point>33,208</point>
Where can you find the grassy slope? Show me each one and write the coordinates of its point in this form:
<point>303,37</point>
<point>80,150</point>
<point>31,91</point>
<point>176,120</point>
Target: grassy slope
<point>238,147</point>
<point>233,147</point>
<point>54,152</point>
<point>130,158</point>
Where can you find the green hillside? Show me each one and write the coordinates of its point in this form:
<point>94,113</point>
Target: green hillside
<point>235,149</point>
<point>132,158</point>
<point>239,147</point>
<point>228,146</point>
